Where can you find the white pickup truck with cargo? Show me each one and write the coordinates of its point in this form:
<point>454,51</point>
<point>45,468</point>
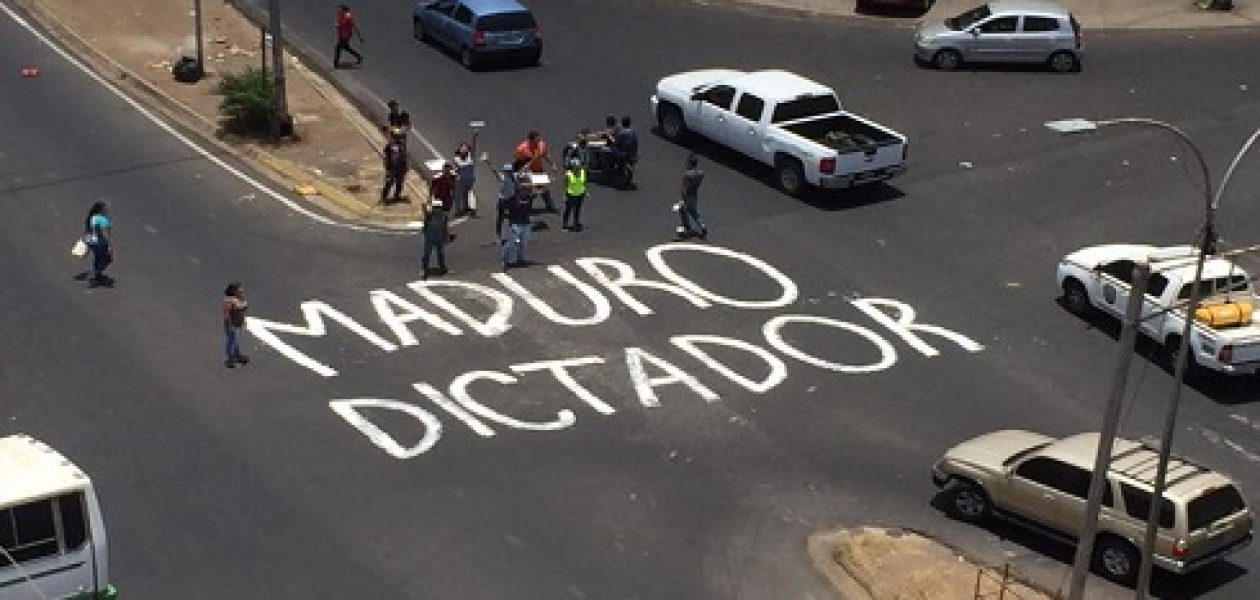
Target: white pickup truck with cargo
<point>783,120</point>
<point>1225,336</point>
<point>52,532</point>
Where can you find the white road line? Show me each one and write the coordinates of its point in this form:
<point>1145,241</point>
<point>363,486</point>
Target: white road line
<point>189,142</point>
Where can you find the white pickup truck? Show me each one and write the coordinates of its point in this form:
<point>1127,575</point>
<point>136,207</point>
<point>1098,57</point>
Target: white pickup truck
<point>1226,334</point>
<point>783,120</point>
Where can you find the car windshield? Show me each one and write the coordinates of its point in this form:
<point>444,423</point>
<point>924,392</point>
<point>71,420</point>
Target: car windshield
<point>514,21</point>
<point>1012,459</point>
<point>805,106</point>
<point>968,18</point>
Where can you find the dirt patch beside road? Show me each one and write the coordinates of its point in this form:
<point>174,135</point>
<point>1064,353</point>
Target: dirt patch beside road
<point>872,563</point>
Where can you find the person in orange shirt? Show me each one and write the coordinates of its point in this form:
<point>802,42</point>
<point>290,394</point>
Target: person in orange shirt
<point>533,152</point>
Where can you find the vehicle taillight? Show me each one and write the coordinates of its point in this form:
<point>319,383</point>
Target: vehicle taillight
<point>1226,353</point>
<point>1180,547</point>
<point>827,165</point>
<point>479,37</point>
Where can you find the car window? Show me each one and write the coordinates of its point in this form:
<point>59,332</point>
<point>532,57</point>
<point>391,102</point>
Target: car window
<point>1213,506</point>
<point>1219,285</point>
<point>750,107</point>
<point>1137,504</point>
<point>28,531</point>
<point>1076,482</point>
<point>806,106</point>
<point>463,15</point>
<point>513,21</point>
<point>1036,24</point>
<point>1000,25</point>
<point>720,96</point>
<point>1156,286</point>
<point>968,18</point>
<point>445,8</point>
<point>1120,269</point>
<point>1046,471</point>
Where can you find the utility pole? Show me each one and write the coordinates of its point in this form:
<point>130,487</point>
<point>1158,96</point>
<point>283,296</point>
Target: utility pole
<point>280,109</point>
<point>1111,422</point>
<point>201,45</point>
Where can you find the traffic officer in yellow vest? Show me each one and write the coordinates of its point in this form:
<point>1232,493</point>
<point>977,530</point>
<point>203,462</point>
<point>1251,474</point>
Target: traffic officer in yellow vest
<point>575,193</point>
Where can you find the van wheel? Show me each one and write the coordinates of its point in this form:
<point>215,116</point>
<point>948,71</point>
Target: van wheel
<point>468,59</point>
<point>1075,298</point>
<point>791,175</point>
<point>967,502</point>
<point>1063,62</point>
<point>947,60</point>
<point>1116,559</point>
<point>671,123</point>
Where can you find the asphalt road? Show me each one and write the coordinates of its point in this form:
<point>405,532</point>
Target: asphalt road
<point>244,483</point>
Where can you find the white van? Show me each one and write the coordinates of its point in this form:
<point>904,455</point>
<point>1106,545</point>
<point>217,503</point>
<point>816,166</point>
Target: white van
<point>52,536</point>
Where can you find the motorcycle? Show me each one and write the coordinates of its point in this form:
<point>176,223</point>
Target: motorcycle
<point>603,166</point>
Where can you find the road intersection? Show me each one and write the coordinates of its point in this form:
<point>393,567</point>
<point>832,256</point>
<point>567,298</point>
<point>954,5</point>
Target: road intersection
<point>675,480</point>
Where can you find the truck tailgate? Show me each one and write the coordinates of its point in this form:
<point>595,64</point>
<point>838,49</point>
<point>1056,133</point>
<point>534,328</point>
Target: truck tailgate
<point>860,144</point>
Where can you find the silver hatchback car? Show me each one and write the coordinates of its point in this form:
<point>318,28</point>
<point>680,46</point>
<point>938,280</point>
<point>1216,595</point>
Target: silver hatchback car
<point>1012,31</point>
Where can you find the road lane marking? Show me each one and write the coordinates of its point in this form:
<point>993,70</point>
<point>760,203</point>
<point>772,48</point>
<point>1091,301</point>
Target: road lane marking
<point>206,154</point>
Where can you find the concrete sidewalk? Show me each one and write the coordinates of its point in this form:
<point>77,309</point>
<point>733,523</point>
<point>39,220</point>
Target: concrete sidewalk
<point>1093,14</point>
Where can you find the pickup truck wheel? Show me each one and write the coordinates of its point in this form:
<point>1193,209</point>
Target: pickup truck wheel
<point>967,502</point>
<point>1063,62</point>
<point>1116,559</point>
<point>791,175</point>
<point>1075,298</point>
<point>1171,347</point>
<point>468,59</point>
<point>947,60</point>
<point>671,123</point>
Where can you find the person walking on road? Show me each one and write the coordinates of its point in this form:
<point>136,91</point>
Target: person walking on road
<point>465,175</point>
<point>519,229</point>
<point>233,308</point>
<point>690,224</point>
<point>347,28</point>
<point>98,234</point>
<point>508,189</point>
<point>574,194</point>
<point>395,162</point>
<point>436,231</point>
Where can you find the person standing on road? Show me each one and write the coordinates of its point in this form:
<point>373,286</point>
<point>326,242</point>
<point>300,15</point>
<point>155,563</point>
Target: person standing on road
<point>520,228</point>
<point>442,188</point>
<point>395,162</point>
<point>465,175</point>
<point>347,28</point>
<point>508,189</point>
<point>98,234</point>
<point>689,207</point>
<point>574,194</point>
<point>533,150</point>
<point>233,308</point>
<point>436,231</point>
<point>397,118</point>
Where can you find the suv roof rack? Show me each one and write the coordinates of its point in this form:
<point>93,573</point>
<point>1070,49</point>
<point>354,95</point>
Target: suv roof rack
<point>1143,461</point>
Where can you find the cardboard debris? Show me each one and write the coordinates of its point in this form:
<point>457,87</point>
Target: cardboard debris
<point>305,189</point>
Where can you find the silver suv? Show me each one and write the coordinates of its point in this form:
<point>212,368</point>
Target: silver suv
<point>1014,31</point>
<point>1041,482</point>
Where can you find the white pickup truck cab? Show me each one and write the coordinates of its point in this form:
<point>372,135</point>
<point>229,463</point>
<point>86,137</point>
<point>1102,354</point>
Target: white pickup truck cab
<point>1100,277</point>
<point>783,120</point>
<point>52,534</point>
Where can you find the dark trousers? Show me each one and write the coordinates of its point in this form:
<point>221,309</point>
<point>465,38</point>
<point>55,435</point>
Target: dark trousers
<point>345,45</point>
<point>393,179</point>
<point>431,247</point>
<point>573,206</point>
<point>102,256</point>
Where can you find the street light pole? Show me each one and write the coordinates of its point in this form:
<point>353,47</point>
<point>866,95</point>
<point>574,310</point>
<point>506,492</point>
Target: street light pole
<point>1111,422</point>
<point>201,46</point>
<point>280,108</point>
<point>1089,528</point>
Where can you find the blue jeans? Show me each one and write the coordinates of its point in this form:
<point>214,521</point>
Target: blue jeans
<point>517,239</point>
<point>690,214</point>
<point>101,257</point>
<point>459,199</point>
<point>233,345</point>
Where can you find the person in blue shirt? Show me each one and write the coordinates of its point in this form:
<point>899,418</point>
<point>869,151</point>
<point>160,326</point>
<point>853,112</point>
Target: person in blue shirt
<point>98,235</point>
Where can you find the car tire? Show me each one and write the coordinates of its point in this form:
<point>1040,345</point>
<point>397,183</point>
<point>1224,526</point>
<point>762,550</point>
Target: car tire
<point>534,58</point>
<point>1171,347</point>
<point>1116,559</point>
<point>1075,298</point>
<point>468,58</point>
<point>790,175</point>
<point>967,502</point>
<point>1063,62</point>
<point>418,32</point>
<point>947,59</point>
<point>669,119</point>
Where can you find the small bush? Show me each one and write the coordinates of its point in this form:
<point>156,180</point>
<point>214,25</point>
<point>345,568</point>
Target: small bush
<point>247,101</point>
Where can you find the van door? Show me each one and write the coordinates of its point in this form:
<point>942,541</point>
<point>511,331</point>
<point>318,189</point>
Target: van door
<point>50,542</point>
<point>745,131</point>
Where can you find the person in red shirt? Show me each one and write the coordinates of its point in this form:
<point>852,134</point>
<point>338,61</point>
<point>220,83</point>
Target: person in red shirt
<point>532,151</point>
<point>346,29</point>
<point>442,188</point>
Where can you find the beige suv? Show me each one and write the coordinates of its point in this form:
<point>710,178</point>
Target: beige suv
<point>1041,482</point>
